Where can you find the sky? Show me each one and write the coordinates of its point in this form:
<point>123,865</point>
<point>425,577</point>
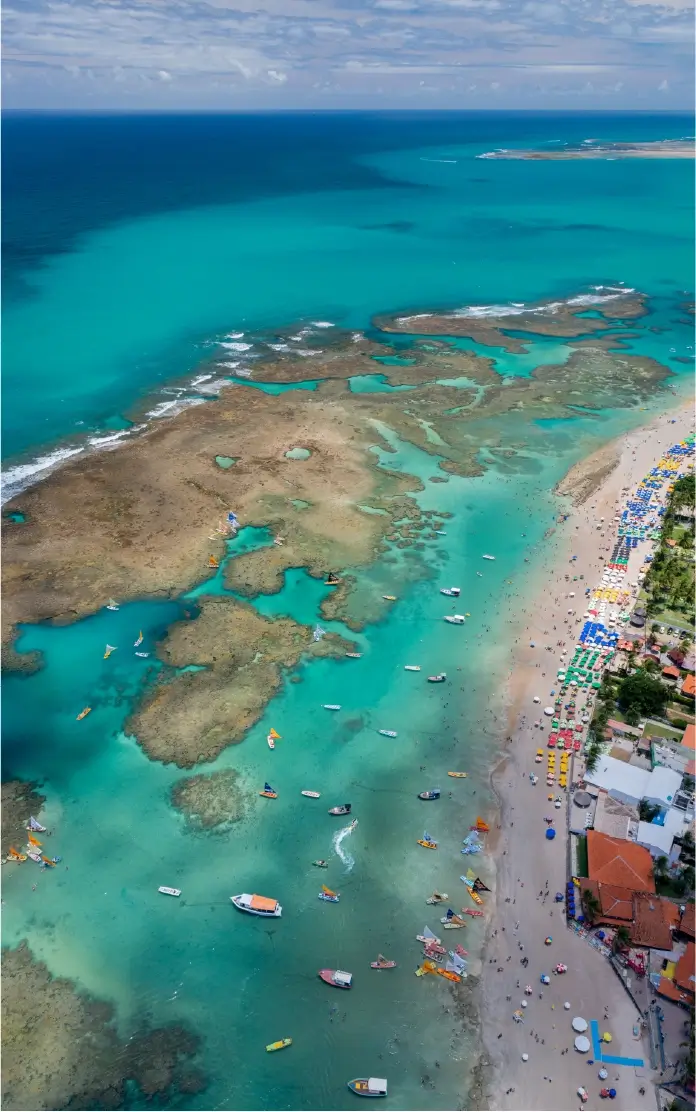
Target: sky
<point>337,54</point>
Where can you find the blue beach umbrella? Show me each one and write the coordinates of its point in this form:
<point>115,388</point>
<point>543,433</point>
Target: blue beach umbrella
<point>550,834</point>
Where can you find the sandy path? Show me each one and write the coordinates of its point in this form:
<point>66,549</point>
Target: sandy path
<point>529,866</point>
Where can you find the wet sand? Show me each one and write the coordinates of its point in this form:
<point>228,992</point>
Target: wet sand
<point>530,869</point>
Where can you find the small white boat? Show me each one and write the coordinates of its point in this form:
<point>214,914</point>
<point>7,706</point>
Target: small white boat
<point>486,557</point>
<point>112,604</point>
<point>331,706</point>
<point>141,654</point>
<point>440,532</point>
<point>311,795</point>
<point>455,619</point>
<point>480,574</point>
<point>354,656</point>
<point>257,905</point>
<point>439,678</point>
<point>451,592</point>
<point>387,733</point>
<point>411,667</point>
<point>31,853</point>
<point>169,891</point>
<point>140,639</point>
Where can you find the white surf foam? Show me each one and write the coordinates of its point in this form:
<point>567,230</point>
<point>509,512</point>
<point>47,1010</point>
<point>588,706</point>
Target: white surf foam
<point>235,345</point>
<point>18,478</point>
<point>323,324</point>
<point>338,839</point>
<point>171,408</point>
<point>519,308</point>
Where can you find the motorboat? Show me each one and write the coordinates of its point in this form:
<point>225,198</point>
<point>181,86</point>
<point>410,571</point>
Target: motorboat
<point>433,793</point>
<point>440,532</point>
<point>321,864</point>
<point>387,733</point>
<point>437,898</point>
<point>354,656</point>
<point>389,598</point>
<point>486,557</point>
<point>455,619</point>
<point>411,667</point>
<point>344,809</point>
<point>368,1086</point>
<point>268,792</point>
<point>112,604</point>
<point>331,706</point>
<point>273,736</point>
<point>328,895</point>
<point>336,977</point>
<point>311,795</point>
<point>439,678</point>
<point>34,856</point>
<point>83,714</point>
<point>142,654</point>
<point>279,1045</point>
<point>382,963</point>
<point>458,775</point>
<point>258,905</point>
<point>169,891</point>
<point>451,592</point>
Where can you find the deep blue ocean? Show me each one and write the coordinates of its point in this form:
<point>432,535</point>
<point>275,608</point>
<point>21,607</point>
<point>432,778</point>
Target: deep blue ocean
<point>132,246</point>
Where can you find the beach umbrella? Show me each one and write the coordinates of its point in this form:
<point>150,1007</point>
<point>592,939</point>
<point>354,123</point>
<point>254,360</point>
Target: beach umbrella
<point>579,1024</point>
<point>567,1005</point>
<point>602,1075</point>
<point>537,699</point>
<point>550,834</point>
<point>548,711</point>
<point>582,1044</point>
<point>545,979</point>
<point>606,1037</point>
<point>548,940</point>
<point>612,1093</point>
<point>525,1057</point>
<point>523,1003</point>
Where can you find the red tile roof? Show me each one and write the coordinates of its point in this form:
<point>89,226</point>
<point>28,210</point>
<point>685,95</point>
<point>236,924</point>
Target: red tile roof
<point>619,862</point>
<point>684,976</point>
<point>615,901</point>
<point>689,738</point>
<point>689,685</point>
<point>687,922</point>
<point>651,922</point>
<point>672,673</point>
<point>669,989</point>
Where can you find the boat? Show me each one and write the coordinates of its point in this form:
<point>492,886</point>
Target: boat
<point>382,963</point>
<point>451,592</point>
<point>353,825</point>
<point>328,895</point>
<point>213,563</point>
<point>427,937</point>
<point>35,825</point>
<point>50,862</point>
<point>169,891</point>
<point>487,557</point>
<point>480,574</point>
<point>112,604</point>
<point>268,792</point>
<point>257,905</point>
<point>354,656</point>
<point>311,795</point>
<point>387,733</point>
<point>83,714</point>
<point>368,1086</point>
<point>142,654</point>
<point>455,619</point>
<point>109,650</point>
<point>454,924</point>
<point>273,736</point>
<point>439,678</point>
<point>433,793</point>
<point>336,977</point>
<point>344,809</point>
<point>321,864</point>
<point>427,842</point>
<point>437,898</point>
<point>474,895</point>
<point>481,825</point>
<point>139,641</point>
<point>280,1045</point>
<point>331,706</point>
<point>34,856</point>
<point>411,667</point>
<point>389,598</point>
<point>458,775</point>
<point>449,975</point>
<point>33,841</point>
<point>440,532</point>
<point>332,580</point>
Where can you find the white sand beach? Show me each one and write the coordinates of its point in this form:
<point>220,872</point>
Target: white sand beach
<point>531,869</point>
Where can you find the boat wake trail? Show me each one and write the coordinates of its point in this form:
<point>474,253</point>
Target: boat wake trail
<point>338,839</point>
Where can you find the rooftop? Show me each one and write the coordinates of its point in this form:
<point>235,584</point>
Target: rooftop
<point>684,977</point>
<point>652,919</point>
<point>689,738</point>
<point>612,816</point>
<point>687,922</point>
<point>615,901</point>
<point>618,862</point>
<point>689,685</point>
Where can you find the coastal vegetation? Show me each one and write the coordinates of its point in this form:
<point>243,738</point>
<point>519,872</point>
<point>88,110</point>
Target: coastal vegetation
<point>668,590</point>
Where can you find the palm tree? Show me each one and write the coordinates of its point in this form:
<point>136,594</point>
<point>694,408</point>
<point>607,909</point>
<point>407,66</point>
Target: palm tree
<point>591,904</point>
<point>661,869</point>
<point>622,939</point>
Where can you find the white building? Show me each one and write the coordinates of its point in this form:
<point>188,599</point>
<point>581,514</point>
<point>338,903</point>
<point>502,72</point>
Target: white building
<point>629,784</point>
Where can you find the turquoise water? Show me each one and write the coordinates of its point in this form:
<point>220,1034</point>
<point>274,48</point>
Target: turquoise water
<point>132,302</point>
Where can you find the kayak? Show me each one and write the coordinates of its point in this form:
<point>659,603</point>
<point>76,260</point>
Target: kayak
<point>458,775</point>
<point>428,845</point>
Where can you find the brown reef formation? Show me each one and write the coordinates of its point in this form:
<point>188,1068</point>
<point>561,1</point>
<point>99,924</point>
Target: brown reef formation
<point>551,318</point>
<point>660,148</point>
<point>241,656</point>
<point>211,800</point>
<point>19,801</point>
<point>61,1048</point>
<point>141,520</point>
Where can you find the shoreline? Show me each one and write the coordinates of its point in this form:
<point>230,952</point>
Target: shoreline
<point>514,1084</point>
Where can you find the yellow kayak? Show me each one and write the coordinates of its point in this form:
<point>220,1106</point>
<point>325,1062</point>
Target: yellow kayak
<point>280,1045</point>
<point>458,775</point>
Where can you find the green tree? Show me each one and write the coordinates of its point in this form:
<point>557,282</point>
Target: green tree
<point>622,939</point>
<point>642,694</point>
<point>590,904</point>
<point>647,811</point>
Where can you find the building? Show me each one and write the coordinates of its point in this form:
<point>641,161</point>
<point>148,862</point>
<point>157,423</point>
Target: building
<point>681,985</point>
<point>689,686</point>
<point>689,738</point>
<point>613,817</point>
<point>687,921</point>
<point>649,919</point>
<point>622,729</point>
<point>671,674</point>
<point>630,784</point>
<point>658,836</point>
<point>619,863</point>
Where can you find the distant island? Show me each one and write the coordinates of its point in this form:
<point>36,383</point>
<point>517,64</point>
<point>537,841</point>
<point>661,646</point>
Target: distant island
<point>591,148</point>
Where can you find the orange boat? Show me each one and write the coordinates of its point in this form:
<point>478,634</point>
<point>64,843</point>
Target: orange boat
<point>449,976</point>
<point>458,775</point>
<point>482,826</point>
<point>83,714</point>
<point>213,563</point>
<point>268,792</point>
<point>428,845</point>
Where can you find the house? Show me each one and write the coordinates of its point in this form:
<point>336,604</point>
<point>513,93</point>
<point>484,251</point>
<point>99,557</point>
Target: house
<point>658,836</point>
<point>630,784</point>
<point>676,656</point>
<point>613,817</point>
<point>619,863</point>
<point>681,987</point>
<point>689,686</point>
<point>687,921</point>
<point>689,737</point>
<point>622,729</point>
<point>671,674</point>
<point>649,919</point>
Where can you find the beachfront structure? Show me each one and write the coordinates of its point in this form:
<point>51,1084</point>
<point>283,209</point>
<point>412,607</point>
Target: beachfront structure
<point>619,863</point>
<point>630,784</point>
<point>678,982</point>
<point>658,837</point>
<point>613,817</point>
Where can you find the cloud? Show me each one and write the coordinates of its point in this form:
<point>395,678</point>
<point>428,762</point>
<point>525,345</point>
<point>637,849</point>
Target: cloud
<point>187,51</point>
